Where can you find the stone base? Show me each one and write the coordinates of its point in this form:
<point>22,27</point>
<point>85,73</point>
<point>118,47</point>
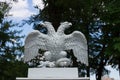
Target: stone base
<point>53,74</point>
<point>86,78</point>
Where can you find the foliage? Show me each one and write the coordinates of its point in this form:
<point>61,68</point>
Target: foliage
<point>57,11</point>
<point>98,19</point>
<point>10,47</point>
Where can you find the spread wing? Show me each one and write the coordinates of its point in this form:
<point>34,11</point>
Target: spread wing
<point>34,41</point>
<point>77,42</point>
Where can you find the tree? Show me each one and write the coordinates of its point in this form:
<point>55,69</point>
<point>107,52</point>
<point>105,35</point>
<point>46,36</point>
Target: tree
<point>10,47</point>
<point>106,35</point>
<point>114,31</point>
<point>95,18</point>
<point>57,11</point>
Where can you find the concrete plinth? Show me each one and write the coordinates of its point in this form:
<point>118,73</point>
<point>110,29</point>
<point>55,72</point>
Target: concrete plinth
<point>53,74</point>
<point>54,79</point>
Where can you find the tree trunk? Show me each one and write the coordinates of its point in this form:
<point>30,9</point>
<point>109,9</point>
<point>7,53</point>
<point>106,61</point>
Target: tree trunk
<point>101,65</point>
<point>119,66</point>
<point>100,70</point>
<point>88,71</point>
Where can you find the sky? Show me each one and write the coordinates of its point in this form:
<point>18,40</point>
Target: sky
<point>23,9</point>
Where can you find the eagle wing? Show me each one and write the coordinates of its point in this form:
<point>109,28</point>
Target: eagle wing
<point>34,41</point>
<point>78,43</point>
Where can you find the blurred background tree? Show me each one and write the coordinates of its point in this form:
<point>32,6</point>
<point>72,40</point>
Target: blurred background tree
<point>11,47</point>
<point>98,19</point>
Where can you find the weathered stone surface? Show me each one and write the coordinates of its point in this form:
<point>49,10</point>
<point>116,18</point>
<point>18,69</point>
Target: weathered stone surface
<point>54,79</point>
<point>55,43</point>
<point>53,74</point>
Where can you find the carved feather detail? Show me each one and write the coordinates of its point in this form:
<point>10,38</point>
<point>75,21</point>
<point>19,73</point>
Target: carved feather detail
<point>55,42</point>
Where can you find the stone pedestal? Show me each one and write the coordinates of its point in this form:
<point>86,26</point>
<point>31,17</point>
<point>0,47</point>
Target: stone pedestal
<point>53,74</point>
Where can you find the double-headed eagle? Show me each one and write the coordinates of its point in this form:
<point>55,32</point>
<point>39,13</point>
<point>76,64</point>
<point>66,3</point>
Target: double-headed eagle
<point>55,43</point>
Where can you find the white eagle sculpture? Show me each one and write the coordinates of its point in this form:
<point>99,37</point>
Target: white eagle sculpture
<point>56,43</point>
